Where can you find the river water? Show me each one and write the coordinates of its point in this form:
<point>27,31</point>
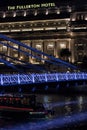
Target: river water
<point>70,113</point>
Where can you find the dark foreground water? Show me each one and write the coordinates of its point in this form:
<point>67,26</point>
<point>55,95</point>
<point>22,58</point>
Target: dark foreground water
<point>70,114</point>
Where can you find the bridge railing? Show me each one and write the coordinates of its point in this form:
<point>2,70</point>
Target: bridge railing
<point>14,79</point>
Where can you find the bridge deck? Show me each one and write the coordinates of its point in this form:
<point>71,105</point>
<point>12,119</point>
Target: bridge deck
<point>18,79</point>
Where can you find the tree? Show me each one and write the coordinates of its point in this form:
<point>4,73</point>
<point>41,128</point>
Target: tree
<point>65,54</point>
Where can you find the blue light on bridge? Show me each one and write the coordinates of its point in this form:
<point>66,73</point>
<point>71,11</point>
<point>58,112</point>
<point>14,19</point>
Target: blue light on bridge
<point>14,79</point>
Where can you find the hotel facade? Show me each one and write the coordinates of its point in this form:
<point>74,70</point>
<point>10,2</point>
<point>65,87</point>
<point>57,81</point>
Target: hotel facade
<point>48,27</point>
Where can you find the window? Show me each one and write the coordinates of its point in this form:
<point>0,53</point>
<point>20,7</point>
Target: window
<point>50,47</point>
<point>4,48</point>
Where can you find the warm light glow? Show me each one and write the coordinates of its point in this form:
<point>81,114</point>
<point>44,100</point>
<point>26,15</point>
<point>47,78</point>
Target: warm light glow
<point>14,14</point>
<point>69,9</point>
<point>4,48</point>
<point>50,28</point>
<point>46,12</point>
<point>38,29</point>
<point>4,30</point>
<point>25,13</point>
<point>50,46</point>
<point>4,15</point>
<point>61,27</point>
<point>58,11</point>
<point>73,19</point>
<point>31,60</point>
<point>35,13</point>
<point>27,29</point>
<point>15,46</point>
<point>85,16</point>
<point>15,30</point>
<point>62,45</point>
<point>80,28</point>
<point>21,57</point>
<point>71,33</point>
<point>15,55</point>
<point>38,46</point>
<point>45,57</point>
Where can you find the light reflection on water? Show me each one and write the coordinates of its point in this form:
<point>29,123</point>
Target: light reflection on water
<point>68,110</point>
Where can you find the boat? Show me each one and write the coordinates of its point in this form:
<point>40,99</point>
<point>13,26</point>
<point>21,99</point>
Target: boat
<point>21,106</point>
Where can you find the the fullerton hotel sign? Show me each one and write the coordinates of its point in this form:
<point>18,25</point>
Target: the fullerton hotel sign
<point>31,6</point>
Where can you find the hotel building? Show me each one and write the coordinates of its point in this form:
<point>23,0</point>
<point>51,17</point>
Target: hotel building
<point>47,26</point>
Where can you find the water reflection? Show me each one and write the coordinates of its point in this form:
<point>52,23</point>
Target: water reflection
<point>68,110</point>
<point>80,103</point>
<point>67,106</point>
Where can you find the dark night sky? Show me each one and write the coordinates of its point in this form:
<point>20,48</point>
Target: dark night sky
<point>16,2</point>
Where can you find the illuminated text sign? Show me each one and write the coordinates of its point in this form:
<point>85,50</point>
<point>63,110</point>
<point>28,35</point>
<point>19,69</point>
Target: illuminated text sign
<point>31,6</point>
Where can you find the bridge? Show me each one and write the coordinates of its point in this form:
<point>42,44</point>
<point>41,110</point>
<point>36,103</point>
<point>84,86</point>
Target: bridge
<point>41,75</point>
<point>11,43</point>
<point>19,79</point>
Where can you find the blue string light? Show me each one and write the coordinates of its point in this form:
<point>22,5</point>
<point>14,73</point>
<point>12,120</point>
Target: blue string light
<point>13,79</point>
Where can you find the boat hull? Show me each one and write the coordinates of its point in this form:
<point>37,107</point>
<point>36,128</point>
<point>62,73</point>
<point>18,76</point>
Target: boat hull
<point>21,114</point>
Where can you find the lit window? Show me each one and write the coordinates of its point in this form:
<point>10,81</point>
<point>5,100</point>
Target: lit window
<point>62,45</point>
<point>4,48</point>
<point>50,28</point>
<point>15,46</point>
<point>39,46</point>
<point>50,46</point>
<point>21,57</point>
<point>15,55</point>
<point>37,29</point>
